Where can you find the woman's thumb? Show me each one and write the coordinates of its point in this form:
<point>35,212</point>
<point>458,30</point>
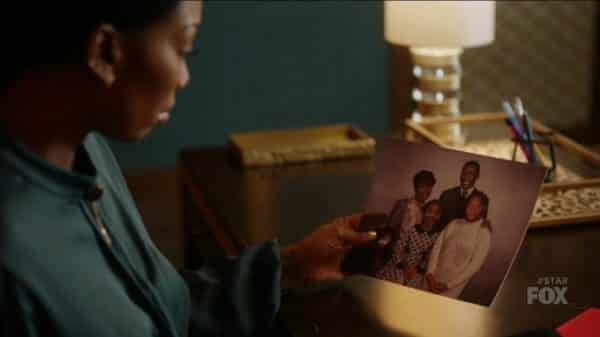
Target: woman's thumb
<point>353,238</point>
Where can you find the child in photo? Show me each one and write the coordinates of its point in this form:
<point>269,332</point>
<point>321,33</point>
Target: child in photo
<point>460,250</point>
<point>410,251</point>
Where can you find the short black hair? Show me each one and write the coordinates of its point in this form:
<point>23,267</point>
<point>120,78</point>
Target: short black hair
<point>54,32</point>
<point>424,178</point>
<point>485,202</point>
<point>473,163</point>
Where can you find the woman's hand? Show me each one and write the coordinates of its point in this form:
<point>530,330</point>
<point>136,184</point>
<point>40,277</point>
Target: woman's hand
<point>429,280</point>
<point>318,257</point>
<point>384,240</point>
<point>440,287</point>
<point>435,286</point>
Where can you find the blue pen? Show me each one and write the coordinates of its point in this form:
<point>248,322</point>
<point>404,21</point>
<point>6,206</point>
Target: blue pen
<point>516,124</point>
<point>526,126</point>
<point>513,133</point>
<point>513,118</point>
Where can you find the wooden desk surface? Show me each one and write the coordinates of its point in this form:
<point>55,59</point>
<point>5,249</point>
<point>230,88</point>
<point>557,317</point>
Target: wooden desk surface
<point>237,208</point>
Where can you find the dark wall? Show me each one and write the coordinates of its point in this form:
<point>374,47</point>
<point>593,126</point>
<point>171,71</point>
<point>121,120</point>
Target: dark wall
<point>268,64</point>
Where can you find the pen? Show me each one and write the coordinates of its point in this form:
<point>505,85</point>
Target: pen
<point>513,118</point>
<point>536,149</point>
<point>527,127</point>
<point>514,134</point>
<point>513,123</point>
<point>541,157</point>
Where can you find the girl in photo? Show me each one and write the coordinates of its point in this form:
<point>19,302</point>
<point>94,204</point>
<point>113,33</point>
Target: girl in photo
<point>460,249</point>
<point>410,251</point>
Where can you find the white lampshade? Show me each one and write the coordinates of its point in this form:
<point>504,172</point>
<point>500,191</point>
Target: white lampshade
<point>439,23</point>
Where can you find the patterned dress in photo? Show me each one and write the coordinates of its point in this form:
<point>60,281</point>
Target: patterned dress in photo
<point>410,250</point>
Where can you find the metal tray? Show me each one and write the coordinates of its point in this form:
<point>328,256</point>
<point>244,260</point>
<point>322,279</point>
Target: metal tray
<point>278,147</point>
<point>574,194</point>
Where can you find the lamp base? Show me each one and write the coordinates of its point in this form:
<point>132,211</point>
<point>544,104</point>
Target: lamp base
<point>437,90</point>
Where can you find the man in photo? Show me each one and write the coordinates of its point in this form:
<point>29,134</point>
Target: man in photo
<point>454,200</point>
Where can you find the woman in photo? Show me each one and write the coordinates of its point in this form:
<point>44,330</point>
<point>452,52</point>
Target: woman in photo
<point>407,212</point>
<point>460,250</point>
<point>410,251</point>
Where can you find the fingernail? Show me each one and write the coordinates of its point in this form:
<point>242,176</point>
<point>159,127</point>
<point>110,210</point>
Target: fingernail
<point>372,234</point>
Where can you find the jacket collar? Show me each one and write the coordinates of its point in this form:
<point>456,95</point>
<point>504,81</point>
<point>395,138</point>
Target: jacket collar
<point>28,165</point>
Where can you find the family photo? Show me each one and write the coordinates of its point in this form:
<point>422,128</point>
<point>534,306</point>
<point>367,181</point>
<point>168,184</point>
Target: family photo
<point>454,221</point>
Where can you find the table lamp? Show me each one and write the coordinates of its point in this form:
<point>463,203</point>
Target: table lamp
<point>436,33</point>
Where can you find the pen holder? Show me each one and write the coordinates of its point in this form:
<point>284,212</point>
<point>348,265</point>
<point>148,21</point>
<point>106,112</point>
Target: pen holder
<point>547,141</point>
<point>575,179</point>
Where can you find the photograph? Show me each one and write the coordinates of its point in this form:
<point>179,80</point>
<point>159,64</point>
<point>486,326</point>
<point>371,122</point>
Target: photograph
<point>448,222</point>
<point>185,168</point>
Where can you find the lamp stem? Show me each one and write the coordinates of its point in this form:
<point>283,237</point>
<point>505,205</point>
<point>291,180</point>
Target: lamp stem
<point>437,89</point>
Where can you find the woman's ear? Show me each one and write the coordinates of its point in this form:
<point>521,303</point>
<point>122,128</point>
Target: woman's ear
<point>104,53</point>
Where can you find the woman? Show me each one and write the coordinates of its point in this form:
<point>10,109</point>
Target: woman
<point>410,251</point>
<point>76,259</point>
<point>407,212</point>
<point>460,249</point>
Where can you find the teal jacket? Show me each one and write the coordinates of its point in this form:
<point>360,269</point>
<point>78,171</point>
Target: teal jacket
<point>77,260</point>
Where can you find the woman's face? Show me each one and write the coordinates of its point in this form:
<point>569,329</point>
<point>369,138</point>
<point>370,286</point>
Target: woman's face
<point>422,193</point>
<point>474,209</point>
<point>431,217</point>
<point>152,69</point>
